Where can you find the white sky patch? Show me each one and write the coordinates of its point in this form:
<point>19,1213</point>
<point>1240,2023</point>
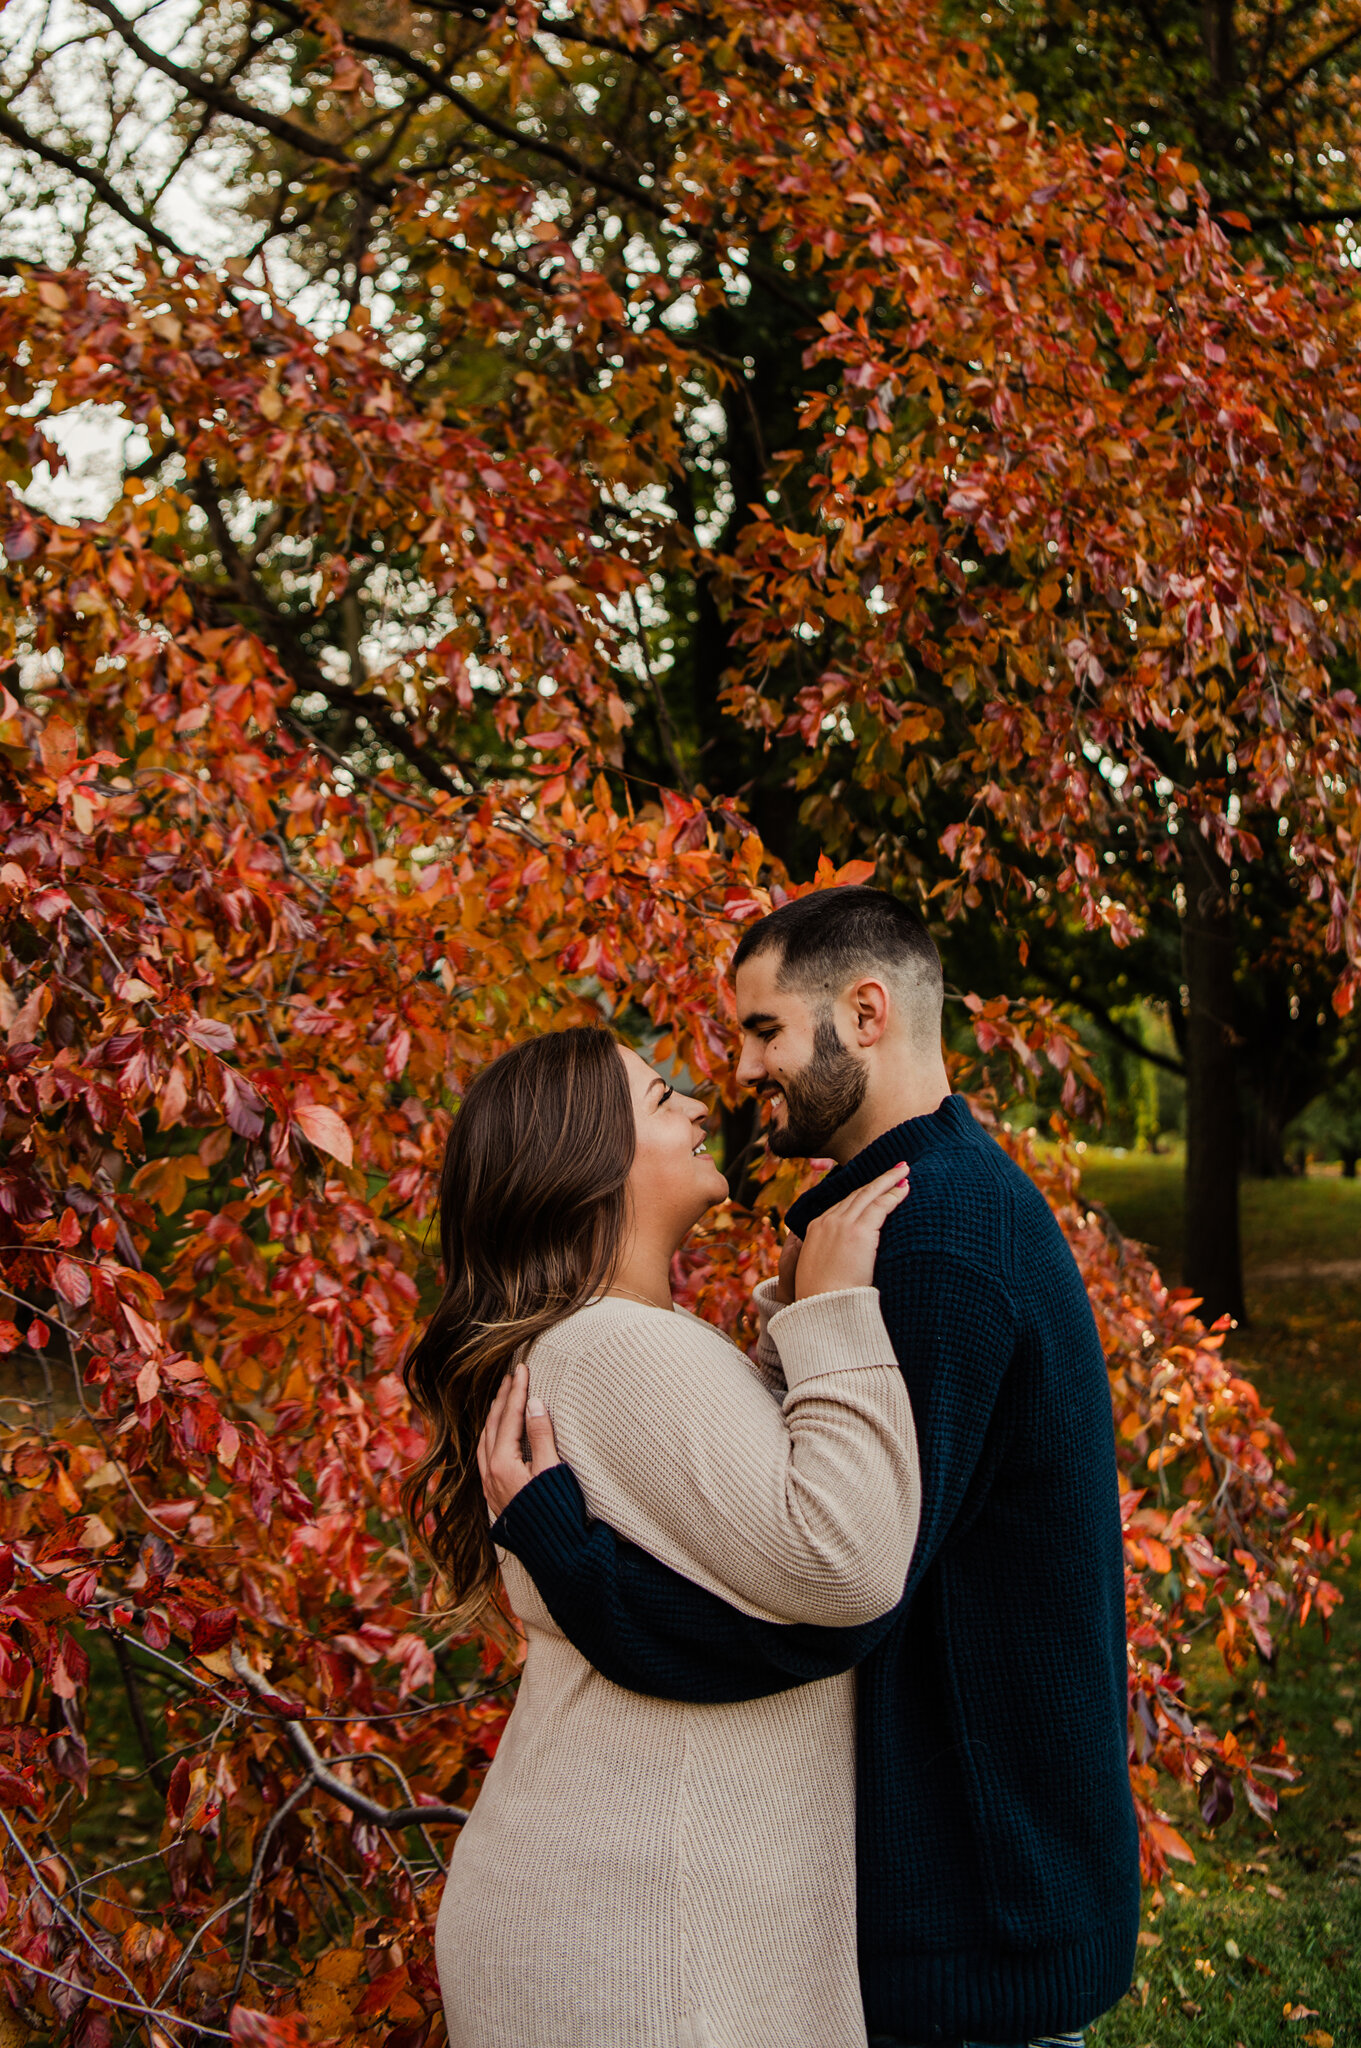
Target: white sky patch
<point>99,445</point>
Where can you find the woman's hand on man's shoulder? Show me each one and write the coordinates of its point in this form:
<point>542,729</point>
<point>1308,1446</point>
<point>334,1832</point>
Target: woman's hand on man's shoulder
<point>841,1244</point>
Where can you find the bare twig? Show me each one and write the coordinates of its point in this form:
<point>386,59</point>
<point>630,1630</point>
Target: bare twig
<point>107,1960</point>
<point>371,1810</point>
<point>299,1792</point>
<point>144,2012</point>
<point>155,1767</point>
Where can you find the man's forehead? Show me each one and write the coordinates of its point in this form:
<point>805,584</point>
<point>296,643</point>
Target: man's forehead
<point>760,999</point>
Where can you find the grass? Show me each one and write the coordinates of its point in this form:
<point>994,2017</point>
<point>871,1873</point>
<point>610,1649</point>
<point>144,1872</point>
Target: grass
<point>1268,1924</point>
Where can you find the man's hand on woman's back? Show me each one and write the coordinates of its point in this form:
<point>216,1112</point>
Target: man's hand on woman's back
<point>500,1448</point>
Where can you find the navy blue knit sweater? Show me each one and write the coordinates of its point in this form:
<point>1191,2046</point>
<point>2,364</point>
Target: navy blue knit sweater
<point>996,1841</point>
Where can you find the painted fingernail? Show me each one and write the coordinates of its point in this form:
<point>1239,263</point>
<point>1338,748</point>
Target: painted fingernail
<point>535,1406</point>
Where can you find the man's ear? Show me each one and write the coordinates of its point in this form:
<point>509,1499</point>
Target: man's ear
<point>870,1006</point>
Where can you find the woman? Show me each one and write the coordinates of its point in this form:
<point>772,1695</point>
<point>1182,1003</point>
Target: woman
<point>638,1874</point>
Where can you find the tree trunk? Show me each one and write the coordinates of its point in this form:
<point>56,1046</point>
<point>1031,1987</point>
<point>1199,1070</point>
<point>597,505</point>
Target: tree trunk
<point>1217,35</point>
<point>1349,1165</point>
<point>1263,1140</point>
<point>1212,1263</point>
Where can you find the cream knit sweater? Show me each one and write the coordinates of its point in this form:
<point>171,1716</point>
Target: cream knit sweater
<point>643,1874</point>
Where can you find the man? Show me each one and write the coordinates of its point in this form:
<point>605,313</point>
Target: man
<point>996,1840</point>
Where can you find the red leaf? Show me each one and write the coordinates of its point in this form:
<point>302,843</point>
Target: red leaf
<point>177,1792</point>
<point>21,538</point>
<point>209,1033</point>
<point>15,1791</point>
<point>212,1630</point>
<point>261,2030</point>
<point>72,1282</point>
<point>245,1104</point>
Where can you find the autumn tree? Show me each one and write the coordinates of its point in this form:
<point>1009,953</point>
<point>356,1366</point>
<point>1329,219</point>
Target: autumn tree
<point>483,195</point>
<point>1262,99</point>
<point>340,751</point>
<point>1263,103</point>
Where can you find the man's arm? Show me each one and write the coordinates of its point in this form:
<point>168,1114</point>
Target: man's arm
<point>650,1630</point>
<point>646,1628</point>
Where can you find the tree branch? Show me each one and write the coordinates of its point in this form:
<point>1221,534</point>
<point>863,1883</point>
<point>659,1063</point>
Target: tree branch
<point>282,635</point>
<point>1297,217</point>
<point>145,2012</point>
<point>506,131</point>
<point>371,1810</point>
<point>1102,1017</point>
<point>15,132</point>
<point>1113,1029</point>
<point>155,1767</point>
<point>209,93</point>
<point>1301,71</point>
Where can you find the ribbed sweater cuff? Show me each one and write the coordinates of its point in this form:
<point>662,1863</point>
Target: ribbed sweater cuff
<point>766,1303</point>
<point>554,1520</point>
<point>838,1332</point>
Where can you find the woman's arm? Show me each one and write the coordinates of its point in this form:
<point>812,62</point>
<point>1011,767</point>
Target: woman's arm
<point>806,1514</point>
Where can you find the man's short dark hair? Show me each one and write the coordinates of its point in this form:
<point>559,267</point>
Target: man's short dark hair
<point>829,938</point>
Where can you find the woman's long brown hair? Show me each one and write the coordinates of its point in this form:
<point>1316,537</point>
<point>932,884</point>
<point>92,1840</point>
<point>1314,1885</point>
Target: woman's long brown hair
<point>533,1206</point>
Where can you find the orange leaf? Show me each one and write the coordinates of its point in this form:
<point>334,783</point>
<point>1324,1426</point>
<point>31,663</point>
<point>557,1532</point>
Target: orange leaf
<point>1170,1842</point>
<point>324,1129</point>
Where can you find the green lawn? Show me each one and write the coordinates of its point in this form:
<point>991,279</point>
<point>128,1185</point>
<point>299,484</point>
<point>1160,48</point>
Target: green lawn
<point>1264,1923</point>
<point>1284,1221</point>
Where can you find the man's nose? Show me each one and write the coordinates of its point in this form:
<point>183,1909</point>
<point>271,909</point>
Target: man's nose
<point>751,1066</point>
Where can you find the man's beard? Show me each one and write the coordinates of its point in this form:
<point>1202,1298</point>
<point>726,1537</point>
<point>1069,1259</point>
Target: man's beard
<point>820,1099</point>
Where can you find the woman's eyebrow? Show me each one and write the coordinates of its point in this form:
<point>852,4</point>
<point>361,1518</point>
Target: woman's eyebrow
<point>656,1082</point>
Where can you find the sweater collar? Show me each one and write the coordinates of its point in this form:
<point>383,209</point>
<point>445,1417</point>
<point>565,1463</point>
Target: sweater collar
<point>950,1125</point>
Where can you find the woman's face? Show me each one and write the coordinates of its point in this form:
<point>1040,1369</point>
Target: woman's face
<point>673,1180</point>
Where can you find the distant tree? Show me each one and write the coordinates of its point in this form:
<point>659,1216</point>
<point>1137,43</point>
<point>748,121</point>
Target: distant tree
<point>1331,1126</point>
<point>1264,100</point>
